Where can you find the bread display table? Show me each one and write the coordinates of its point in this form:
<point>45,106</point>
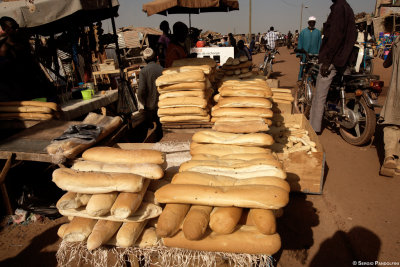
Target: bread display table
<point>76,108</point>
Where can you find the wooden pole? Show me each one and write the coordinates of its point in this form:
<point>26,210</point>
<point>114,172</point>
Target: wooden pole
<point>301,17</point>
<point>3,187</point>
<point>249,21</point>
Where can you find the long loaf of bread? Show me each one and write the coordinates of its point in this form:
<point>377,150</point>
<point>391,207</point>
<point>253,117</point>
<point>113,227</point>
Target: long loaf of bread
<point>244,93</point>
<point>196,178</point>
<point>50,105</point>
<point>185,118</point>
<point>196,222</point>
<point>175,94</point>
<point>238,157</point>
<point>127,204</point>
<point>223,220</point>
<point>147,170</point>
<point>171,219</point>
<point>96,183</point>
<point>264,220</point>
<point>100,204</point>
<point>239,127</point>
<point>246,239</point>
<point>71,200</point>
<point>25,109</point>
<point>102,232</point>
<point>128,234</point>
<point>213,137</point>
<point>204,68</point>
<point>78,229</point>
<point>230,163</point>
<point>182,102</point>
<point>188,76</point>
<point>191,86</point>
<point>244,196</point>
<point>244,102</point>
<point>222,150</point>
<point>121,156</point>
<point>188,111</point>
<point>242,112</point>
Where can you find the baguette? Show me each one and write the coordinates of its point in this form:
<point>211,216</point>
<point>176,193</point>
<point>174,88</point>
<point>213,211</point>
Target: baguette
<point>244,102</point>
<point>281,90</point>
<point>96,183</point>
<point>213,137</point>
<point>50,105</point>
<point>27,116</point>
<point>128,234</point>
<point>175,94</point>
<point>242,157</point>
<point>127,204</point>
<point>196,222</point>
<point>238,126</point>
<point>194,178</point>
<point>244,93</point>
<point>243,196</point>
<point>61,230</point>
<point>246,239</point>
<point>189,76</point>
<point>182,102</point>
<point>242,112</point>
<point>78,229</point>
<point>72,200</point>
<point>264,220</point>
<point>148,170</point>
<point>223,220</point>
<point>102,232</point>
<point>187,118</point>
<point>204,68</point>
<point>121,156</point>
<point>242,119</point>
<point>222,150</point>
<point>100,204</point>
<point>192,111</point>
<point>171,219</point>
<point>148,238</point>
<point>231,163</point>
<point>25,109</point>
<point>192,86</point>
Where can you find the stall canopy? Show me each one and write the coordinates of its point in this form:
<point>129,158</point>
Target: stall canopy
<point>165,7</point>
<point>54,16</point>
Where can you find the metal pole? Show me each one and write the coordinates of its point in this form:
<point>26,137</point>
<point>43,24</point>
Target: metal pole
<point>301,17</point>
<point>249,21</point>
<point>190,20</point>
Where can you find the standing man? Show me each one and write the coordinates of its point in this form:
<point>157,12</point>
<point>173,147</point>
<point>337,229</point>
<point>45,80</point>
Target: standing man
<point>163,42</point>
<point>339,38</point>
<point>310,41</point>
<point>390,115</point>
<point>176,48</point>
<point>271,37</point>
<point>147,91</point>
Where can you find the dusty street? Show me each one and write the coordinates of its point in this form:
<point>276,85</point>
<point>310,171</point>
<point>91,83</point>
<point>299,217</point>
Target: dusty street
<point>356,218</point>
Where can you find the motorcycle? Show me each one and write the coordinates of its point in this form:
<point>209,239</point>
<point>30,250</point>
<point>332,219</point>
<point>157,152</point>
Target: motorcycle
<point>350,105</point>
<point>266,66</point>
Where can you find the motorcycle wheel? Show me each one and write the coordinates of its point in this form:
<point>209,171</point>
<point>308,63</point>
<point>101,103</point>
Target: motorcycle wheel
<point>267,70</point>
<point>300,99</point>
<point>365,129</point>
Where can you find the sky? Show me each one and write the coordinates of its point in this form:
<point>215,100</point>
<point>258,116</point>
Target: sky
<point>284,15</point>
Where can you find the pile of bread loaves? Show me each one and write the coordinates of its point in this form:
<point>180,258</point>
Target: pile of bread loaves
<point>242,106</point>
<point>282,96</point>
<point>108,198</point>
<point>28,110</point>
<point>227,197</point>
<point>236,68</point>
<point>185,91</point>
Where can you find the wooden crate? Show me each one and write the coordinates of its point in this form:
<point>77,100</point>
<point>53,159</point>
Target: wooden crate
<point>305,172</point>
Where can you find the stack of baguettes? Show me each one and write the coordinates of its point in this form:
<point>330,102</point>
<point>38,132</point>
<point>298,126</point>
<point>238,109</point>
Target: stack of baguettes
<point>236,68</point>
<point>282,96</point>
<point>185,91</point>
<point>226,198</point>
<point>28,110</point>
<point>108,198</point>
<point>243,106</point>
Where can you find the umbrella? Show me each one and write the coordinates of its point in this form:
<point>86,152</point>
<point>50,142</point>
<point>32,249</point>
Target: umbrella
<point>165,7</point>
<point>52,16</point>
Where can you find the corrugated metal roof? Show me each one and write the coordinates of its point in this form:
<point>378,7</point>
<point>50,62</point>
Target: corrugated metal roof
<point>131,37</point>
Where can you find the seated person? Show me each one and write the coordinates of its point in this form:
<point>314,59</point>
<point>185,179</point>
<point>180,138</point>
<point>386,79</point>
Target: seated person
<point>243,50</point>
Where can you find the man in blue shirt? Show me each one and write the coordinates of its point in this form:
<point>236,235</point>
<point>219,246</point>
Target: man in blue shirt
<point>310,41</point>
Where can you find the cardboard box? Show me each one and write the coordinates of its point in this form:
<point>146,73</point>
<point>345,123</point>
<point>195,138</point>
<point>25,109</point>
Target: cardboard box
<point>305,172</point>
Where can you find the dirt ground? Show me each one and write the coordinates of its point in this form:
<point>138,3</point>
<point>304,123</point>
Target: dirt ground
<point>356,218</point>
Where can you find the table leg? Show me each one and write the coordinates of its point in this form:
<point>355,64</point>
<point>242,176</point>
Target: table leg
<point>3,187</point>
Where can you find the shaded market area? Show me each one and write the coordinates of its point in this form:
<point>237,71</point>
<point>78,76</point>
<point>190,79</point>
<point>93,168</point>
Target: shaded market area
<point>181,146</point>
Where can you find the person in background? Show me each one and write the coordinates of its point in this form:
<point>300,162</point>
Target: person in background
<point>362,37</point>
<point>147,90</point>
<point>200,43</point>
<point>225,42</point>
<point>296,38</point>
<point>243,50</point>
<point>232,42</point>
<point>339,38</point>
<point>309,40</point>
<point>390,115</point>
<point>163,42</point>
<point>176,48</point>
<point>289,40</point>
<point>271,37</point>
<point>252,45</point>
